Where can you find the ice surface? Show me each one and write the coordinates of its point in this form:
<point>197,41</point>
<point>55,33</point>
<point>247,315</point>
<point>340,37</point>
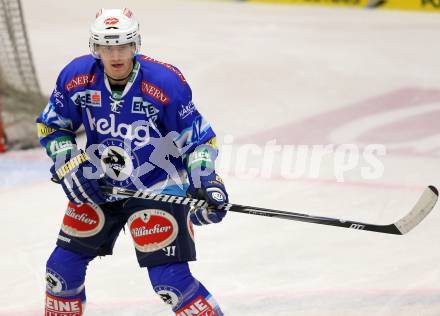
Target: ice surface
<point>298,74</point>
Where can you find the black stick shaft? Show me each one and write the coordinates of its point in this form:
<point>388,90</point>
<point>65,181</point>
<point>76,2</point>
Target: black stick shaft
<point>422,208</point>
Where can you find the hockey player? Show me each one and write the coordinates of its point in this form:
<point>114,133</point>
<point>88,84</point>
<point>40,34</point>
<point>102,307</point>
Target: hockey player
<point>143,132</point>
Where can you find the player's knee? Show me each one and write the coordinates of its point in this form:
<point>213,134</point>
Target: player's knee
<point>173,282</point>
<point>65,273</point>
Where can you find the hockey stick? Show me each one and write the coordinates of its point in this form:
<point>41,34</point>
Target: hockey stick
<point>422,208</point>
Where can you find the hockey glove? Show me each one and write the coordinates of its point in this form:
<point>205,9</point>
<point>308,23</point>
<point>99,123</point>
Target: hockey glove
<point>79,186</point>
<point>205,184</point>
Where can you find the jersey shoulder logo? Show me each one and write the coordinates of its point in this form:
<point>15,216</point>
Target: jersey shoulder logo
<point>155,92</point>
<point>80,81</point>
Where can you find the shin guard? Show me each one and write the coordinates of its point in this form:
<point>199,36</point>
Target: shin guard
<point>177,287</point>
<point>65,276</point>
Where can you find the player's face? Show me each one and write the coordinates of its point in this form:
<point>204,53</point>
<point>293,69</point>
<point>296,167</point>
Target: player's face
<point>117,59</point>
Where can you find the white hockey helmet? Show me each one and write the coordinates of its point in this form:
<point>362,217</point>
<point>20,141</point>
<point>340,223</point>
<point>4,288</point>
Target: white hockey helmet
<point>114,27</point>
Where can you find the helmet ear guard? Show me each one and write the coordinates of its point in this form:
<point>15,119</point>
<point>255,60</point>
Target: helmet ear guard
<point>114,27</point>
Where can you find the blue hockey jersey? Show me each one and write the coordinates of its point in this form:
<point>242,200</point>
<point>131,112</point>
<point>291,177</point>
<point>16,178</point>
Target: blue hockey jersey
<point>139,137</point>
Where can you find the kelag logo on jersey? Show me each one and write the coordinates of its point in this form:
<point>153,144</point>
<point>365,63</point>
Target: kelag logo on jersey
<point>138,131</point>
<point>140,106</point>
<point>87,98</point>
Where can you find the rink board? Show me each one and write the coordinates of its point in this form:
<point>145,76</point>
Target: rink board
<point>417,5</point>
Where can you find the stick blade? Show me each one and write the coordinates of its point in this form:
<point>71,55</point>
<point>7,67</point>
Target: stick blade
<point>423,207</point>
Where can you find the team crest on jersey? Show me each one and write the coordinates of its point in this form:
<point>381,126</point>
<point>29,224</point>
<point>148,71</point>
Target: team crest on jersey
<point>83,220</point>
<point>118,162</point>
<point>152,229</point>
